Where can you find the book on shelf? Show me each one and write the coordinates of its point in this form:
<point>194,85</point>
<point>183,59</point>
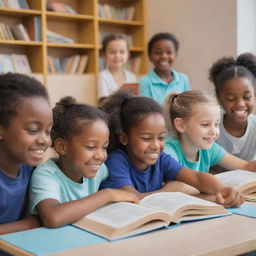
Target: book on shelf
<point>134,87</point>
<point>153,212</point>
<point>60,7</point>
<point>55,37</point>
<point>20,63</point>
<point>33,27</point>
<point>72,68</point>
<point>20,32</point>
<point>82,64</point>
<point>243,181</point>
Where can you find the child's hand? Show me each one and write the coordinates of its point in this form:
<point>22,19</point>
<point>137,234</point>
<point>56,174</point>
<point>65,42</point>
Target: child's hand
<point>229,197</point>
<point>119,195</point>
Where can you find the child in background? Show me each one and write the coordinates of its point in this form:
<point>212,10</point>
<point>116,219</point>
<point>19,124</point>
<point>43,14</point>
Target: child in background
<point>115,53</point>
<point>195,117</point>
<point>163,79</point>
<point>25,124</point>
<point>137,163</point>
<point>63,190</point>
<point>234,81</point>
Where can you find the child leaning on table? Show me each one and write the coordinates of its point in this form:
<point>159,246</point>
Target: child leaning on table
<point>25,124</point>
<point>136,162</point>
<point>65,189</point>
<point>163,79</point>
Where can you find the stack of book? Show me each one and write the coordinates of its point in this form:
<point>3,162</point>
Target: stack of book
<point>75,64</point>
<point>60,7</point>
<point>18,4</point>
<point>57,38</point>
<point>14,63</point>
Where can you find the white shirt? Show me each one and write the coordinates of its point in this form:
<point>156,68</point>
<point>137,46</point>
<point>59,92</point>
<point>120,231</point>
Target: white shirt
<point>107,84</point>
<point>243,147</point>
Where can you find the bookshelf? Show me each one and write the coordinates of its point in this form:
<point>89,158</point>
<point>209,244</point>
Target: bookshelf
<point>84,26</point>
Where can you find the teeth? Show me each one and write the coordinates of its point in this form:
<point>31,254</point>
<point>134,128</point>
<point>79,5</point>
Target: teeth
<point>38,151</point>
<point>94,165</point>
<point>153,154</point>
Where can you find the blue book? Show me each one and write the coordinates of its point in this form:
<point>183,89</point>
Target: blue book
<point>245,209</point>
<point>160,210</point>
<point>42,241</point>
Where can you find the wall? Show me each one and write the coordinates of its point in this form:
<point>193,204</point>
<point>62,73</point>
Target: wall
<point>206,30</point>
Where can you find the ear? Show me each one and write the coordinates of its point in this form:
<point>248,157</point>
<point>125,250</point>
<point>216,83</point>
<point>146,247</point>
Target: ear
<point>123,139</point>
<point>60,146</point>
<point>179,124</point>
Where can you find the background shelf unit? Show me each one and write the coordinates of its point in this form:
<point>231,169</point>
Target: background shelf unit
<point>84,28</point>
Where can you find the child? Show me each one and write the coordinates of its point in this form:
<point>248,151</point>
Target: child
<point>116,54</point>
<point>234,81</point>
<point>158,83</point>
<point>137,163</point>
<point>195,117</point>
<point>63,190</point>
<point>25,124</point>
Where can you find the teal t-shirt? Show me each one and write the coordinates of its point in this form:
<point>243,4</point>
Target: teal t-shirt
<point>151,85</point>
<point>207,157</point>
<point>48,181</point>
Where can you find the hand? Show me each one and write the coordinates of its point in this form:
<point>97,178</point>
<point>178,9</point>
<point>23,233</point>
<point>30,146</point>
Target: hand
<point>119,195</point>
<point>229,197</point>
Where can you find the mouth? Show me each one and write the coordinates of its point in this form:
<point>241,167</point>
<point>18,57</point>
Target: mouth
<point>93,167</point>
<point>153,156</point>
<point>37,153</point>
<point>241,113</point>
<point>209,140</point>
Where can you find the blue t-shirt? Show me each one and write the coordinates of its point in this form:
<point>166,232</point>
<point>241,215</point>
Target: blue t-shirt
<point>122,172</point>
<point>13,192</point>
<point>206,158</point>
<point>151,85</point>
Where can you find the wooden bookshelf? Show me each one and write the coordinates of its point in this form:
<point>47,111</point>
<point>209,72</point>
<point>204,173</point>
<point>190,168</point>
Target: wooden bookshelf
<point>84,28</point>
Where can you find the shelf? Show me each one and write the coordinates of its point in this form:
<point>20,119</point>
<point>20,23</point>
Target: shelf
<point>18,12</point>
<point>68,16</point>
<point>20,42</point>
<point>65,45</point>
<point>116,22</point>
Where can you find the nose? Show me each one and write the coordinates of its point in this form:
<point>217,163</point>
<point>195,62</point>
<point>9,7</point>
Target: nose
<point>155,144</point>
<point>240,102</point>
<point>213,130</point>
<point>100,155</point>
<point>44,139</point>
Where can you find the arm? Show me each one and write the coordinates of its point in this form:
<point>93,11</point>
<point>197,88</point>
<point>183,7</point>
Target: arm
<point>27,223</point>
<point>231,162</point>
<point>55,214</point>
<point>209,184</point>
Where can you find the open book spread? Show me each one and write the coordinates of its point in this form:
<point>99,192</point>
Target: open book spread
<point>243,181</point>
<point>155,211</point>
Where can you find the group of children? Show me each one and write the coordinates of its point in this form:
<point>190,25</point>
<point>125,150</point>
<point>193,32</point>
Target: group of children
<point>121,151</point>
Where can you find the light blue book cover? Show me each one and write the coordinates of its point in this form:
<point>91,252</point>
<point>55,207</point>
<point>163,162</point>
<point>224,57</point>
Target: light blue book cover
<point>248,210</point>
<point>41,241</point>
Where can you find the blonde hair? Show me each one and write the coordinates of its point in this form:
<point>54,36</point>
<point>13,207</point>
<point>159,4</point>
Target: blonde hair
<point>182,106</point>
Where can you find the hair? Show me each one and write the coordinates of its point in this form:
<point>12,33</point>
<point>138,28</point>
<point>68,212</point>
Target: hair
<point>182,106</point>
<point>69,118</point>
<point>125,111</point>
<point>106,40</point>
<point>163,36</point>
<point>228,68</point>
<point>14,88</point>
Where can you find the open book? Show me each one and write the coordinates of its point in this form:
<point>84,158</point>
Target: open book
<point>118,220</point>
<point>243,181</point>
<point>134,87</point>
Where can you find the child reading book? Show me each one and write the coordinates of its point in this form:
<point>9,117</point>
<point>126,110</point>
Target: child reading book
<point>136,162</point>
<point>64,189</point>
<point>25,124</point>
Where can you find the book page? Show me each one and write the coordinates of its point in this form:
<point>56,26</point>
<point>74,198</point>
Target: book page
<point>120,214</point>
<point>236,178</point>
<point>172,201</point>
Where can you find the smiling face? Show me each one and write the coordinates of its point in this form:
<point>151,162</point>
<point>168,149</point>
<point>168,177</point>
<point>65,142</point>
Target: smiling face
<point>27,135</point>
<point>82,154</point>
<point>162,55</point>
<point>146,141</point>
<point>116,54</point>
<point>202,128</point>
<point>237,98</point>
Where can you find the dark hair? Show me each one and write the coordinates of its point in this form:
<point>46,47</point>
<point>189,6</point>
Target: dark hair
<point>228,68</point>
<point>69,118</point>
<point>125,111</point>
<point>110,38</point>
<point>13,88</point>
<point>163,36</point>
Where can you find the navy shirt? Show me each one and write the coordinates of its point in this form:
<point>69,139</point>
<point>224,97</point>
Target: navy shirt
<point>122,172</point>
<point>13,192</point>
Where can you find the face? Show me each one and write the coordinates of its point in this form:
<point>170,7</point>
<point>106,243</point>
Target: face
<point>237,98</point>
<point>85,152</point>
<point>202,128</point>
<point>116,54</point>
<point>28,134</point>
<point>162,55</point>
<point>146,141</point>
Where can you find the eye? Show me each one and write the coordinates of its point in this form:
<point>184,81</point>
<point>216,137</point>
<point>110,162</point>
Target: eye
<point>247,97</point>
<point>145,138</point>
<point>204,125</point>
<point>32,131</point>
<point>90,147</point>
<point>162,138</point>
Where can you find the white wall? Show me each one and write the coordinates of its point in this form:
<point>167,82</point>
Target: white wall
<point>206,30</point>
<point>246,26</point>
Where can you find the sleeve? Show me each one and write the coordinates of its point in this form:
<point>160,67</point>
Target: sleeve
<point>170,151</point>
<point>187,83</point>
<point>103,174</point>
<point>119,172</point>
<point>102,86</point>
<point>144,88</point>
<point>43,186</point>
<point>171,168</point>
<point>216,153</point>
